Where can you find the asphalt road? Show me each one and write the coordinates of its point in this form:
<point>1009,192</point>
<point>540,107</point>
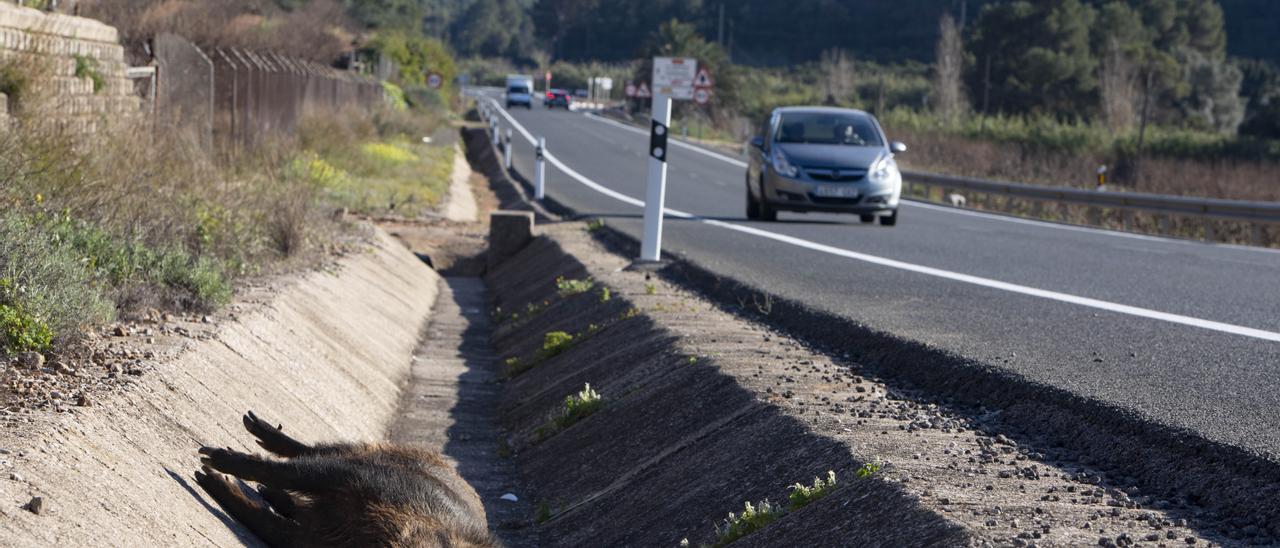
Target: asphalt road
<point>1184,333</point>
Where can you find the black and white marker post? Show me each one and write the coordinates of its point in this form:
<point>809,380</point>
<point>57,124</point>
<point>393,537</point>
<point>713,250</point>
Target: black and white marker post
<point>656,191</point>
<point>672,79</point>
<point>540,184</point>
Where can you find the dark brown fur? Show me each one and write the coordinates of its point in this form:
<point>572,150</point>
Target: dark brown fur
<point>345,494</point>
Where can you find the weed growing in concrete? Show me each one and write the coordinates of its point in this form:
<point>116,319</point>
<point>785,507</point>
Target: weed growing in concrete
<point>869,469</point>
<point>555,343</point>
<point>576,407</point>
<point>514,366</point>
<point>753,518</point>
<point>801,495</point>
<point>650,289</point>
<point>87,67</point>
<point>595,225</point>
<point>569,288</point>
<point>693,360</point>
<point>605,295</point>
<point>543,513</point>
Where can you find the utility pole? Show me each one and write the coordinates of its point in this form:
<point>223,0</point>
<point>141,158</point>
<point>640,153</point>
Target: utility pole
<point>720,34</point>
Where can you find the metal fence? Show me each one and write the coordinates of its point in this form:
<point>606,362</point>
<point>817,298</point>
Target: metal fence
<point>235,99</point>
<point>1238,221</point>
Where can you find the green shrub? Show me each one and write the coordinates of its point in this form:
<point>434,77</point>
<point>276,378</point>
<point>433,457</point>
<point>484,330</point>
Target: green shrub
<point>554,343</point>
<point>569,288</point>
<point>87,67</point>
<point>20,331</point>
<point>801,495</point>
<point>44,286</point>
<point>576,407</point>
<point>753,518</point>
<point>869,469</point>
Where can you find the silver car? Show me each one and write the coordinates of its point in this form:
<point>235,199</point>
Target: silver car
<point>824,159</point>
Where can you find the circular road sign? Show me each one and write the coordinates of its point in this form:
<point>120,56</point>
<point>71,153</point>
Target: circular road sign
<point>701,96</point>
<point>434,80</point>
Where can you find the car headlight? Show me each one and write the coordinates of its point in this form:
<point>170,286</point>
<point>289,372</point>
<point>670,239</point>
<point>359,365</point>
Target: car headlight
<point>782,165</point>
<point>883,170</point>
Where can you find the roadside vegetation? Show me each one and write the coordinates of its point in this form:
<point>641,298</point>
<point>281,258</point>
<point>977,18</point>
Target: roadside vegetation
<point>1147,88</point>
<point>134,219</point>
<point>576,407</point>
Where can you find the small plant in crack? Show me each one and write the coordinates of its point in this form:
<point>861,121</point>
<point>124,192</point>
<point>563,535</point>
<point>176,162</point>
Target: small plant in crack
<point>543,513</point>
<point>869,469</point>
<point>693,360</point>
<point>576,407</point>
<point>594,225</point>
<point>650,289</point>
<point>801,495</point>
<point>753,518</point>
<point>569,288</point>
<point>605,295</point>
<point>555,343</point>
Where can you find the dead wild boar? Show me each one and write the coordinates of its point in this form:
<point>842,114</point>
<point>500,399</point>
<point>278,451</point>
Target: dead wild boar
<point>345,494</point>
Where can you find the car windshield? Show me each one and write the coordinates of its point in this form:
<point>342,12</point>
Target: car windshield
<point>517,89</point>
<point>828,129</point>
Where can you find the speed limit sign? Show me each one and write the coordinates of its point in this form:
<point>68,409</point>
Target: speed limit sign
<point>434,80</point>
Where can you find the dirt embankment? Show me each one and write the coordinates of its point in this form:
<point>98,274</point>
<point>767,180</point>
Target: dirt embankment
<point>325,355</point>
<point>703,411</point>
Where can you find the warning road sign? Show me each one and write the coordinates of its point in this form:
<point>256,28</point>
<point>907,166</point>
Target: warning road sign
<point>643,91</point>
<point>703,79</point>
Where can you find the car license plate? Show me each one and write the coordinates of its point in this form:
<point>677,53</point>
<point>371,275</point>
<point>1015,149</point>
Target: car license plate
<point>837,191</point>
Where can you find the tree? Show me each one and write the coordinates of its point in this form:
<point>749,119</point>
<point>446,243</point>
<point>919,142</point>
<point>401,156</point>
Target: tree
<point>1039,54</point>
<point>836,66</point>
<point>1213,95</point>
<point>948,67</point>
<point>494,28</point>
<point>416,56</point>
<point>677,39</point>
<point>387,14</point>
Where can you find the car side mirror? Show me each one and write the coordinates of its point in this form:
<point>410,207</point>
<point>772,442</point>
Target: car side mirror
<point>758,142</point>
<point>897,147</point>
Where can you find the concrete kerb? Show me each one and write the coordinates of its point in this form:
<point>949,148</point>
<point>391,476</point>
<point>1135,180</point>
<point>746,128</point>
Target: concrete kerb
<point>326,356</point>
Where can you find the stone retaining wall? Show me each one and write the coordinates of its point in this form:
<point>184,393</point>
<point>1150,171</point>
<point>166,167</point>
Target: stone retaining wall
<point>53,44</point>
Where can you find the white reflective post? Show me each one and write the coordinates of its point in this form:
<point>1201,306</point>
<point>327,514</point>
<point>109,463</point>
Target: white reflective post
<point>540,170</point>
<point>655,193</point>
<point>493,124</point>
<point>506,150</point>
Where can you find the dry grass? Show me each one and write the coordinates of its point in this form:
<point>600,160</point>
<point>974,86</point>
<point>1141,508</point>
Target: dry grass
<point>318,30</point>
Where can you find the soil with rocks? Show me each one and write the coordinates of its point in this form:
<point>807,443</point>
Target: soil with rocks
<point>703,411</point>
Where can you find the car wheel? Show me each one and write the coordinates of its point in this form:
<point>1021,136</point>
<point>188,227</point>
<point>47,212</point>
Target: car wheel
<point>765,211</point>
<point>890,219</point>
<point>753,208</point>
<point>867,218</point>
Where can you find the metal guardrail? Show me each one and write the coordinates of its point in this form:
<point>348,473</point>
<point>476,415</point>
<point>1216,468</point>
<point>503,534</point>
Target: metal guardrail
<point>1238,210</point>
<point>1159,204</point>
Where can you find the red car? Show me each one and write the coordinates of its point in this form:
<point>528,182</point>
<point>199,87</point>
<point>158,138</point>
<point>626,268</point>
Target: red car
<point>558,98</point>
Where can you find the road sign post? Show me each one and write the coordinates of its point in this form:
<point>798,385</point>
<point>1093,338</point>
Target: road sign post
<point>506,150</point>
<point>656,190</point>
<point>672,79</point>
<point>540,170</point>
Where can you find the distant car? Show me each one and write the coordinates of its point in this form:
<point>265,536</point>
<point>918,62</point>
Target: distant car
<point>519,95</point>
<point>824,159</point>
<point>559,98</point>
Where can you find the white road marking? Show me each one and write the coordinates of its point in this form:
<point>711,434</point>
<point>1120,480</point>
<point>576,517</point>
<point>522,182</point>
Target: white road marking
<point>982,214</point>
<point>919,269</point>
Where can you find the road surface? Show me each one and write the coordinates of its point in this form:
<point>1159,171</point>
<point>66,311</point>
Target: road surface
<point>1185,333</point>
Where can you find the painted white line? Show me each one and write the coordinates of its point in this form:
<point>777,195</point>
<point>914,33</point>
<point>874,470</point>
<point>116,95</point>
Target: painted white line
<point>926,270</point>
<point>981,214</point>
<point>679,143</point>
